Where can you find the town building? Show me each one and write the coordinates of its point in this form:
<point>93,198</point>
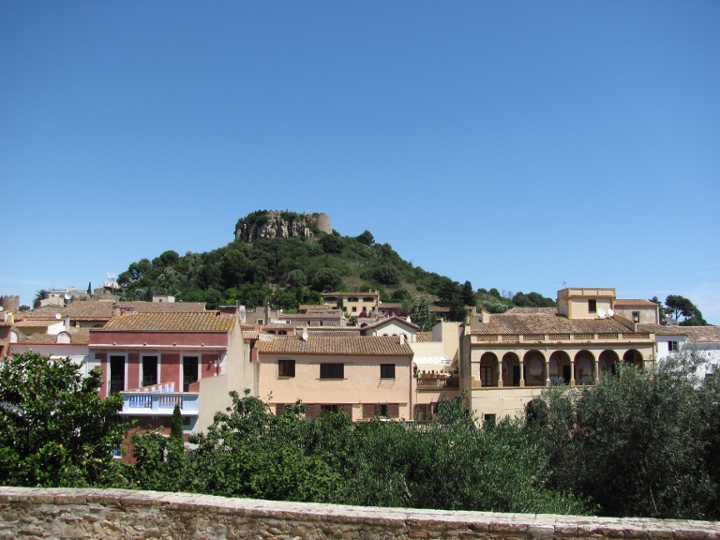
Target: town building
<point>507,359</point>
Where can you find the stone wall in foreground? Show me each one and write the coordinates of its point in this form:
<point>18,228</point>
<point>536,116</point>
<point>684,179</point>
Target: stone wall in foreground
<point>91,513</point>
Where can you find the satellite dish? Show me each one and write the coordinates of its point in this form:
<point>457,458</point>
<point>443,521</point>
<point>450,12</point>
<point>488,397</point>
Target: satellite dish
<point>1,308</point>
<point>305,335</point>
<point>58,316</point>
<point>409,319</point>
<point>601,313</point>
<point>68,296</point>
<point>611,312</point>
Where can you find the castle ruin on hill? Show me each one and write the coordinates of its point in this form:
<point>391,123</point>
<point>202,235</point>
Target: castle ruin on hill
<point>276,224</point>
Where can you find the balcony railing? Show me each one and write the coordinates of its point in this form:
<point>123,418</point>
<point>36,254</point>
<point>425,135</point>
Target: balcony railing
<point>159,403</point>
<point>432,383</point>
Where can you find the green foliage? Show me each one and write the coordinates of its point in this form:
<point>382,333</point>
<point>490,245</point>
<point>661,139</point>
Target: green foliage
<point>419,312</point>
<point>331,243</point>
<point>326,280</point>
<point>637,444</point>
<point>532,299</point>
<point>679,306</point>
<point>54,429</point>
<point>42,294</point>
<point>366,238</point>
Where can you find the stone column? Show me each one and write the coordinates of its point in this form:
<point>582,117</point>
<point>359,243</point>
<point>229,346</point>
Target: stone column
<point>499,372</point>
<point>597,370</point>
<point>572,371</point>
<point>522,371</point>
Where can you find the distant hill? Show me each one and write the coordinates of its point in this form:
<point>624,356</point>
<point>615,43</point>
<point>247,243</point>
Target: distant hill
<point>286,259</point>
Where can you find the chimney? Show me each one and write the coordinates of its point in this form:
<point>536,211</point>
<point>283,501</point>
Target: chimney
<point>485,316</point>
<point>402,339</point>
<point>66,322</point>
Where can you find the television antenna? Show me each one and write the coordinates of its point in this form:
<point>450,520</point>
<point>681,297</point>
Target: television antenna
<point>564,283</point>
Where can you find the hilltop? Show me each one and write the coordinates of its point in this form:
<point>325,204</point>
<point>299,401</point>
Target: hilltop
<point>287,259</point>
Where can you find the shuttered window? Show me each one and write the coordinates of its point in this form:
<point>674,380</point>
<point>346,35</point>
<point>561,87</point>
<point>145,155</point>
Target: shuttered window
<point>280,409</point>
<point>387,371</point>
<point>286,368</point>
<point>332,371</point>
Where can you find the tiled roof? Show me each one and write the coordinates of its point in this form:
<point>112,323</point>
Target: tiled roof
<point>313,316</point>
<point>90,310</point>
<point>390,305</point>
<point>439,309</point>
<point>250,334</point>
<point>514,324</point>
<point>394,318</point>
<point>78,336</point>
<point>164,307</point>
<point>630,302</point>
<point>423,337</point>
<point>694,334</point>
<point>36,323</point>
<point>532,311</point>
<point>206,321</point>
<point>328,331</point>
<point>361,346</point>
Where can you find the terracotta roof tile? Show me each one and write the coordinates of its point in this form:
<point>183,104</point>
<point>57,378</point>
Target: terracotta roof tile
<point>694,334</point>
<point>328,331</point>
<point>361,346</point>
<point>78,336</point>
<point>630,302</point>
<point>514,324</point>
<point>532,311</point>
<point>381,322</point>
<point>423,337</point>
<point>313,316</point>
<point>206,321</point>
<point>164,307</point>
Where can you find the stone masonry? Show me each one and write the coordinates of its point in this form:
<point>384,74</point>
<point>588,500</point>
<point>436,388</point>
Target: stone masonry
<point>110,514</point>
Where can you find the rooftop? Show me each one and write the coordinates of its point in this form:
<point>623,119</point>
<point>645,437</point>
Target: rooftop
<point>634,302</point>
<point>359,346</point>
<point>523,323</point>
<point>206,321</point>
<point>694,334</point>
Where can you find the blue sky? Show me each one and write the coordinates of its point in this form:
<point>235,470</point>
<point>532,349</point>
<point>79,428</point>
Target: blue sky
<point>513,144</point>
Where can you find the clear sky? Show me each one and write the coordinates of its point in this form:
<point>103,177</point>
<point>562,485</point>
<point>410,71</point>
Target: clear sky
<point>513,144</point>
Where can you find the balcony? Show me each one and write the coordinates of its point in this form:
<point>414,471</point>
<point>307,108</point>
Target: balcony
<point>160,403</point>
<point>437,382</point>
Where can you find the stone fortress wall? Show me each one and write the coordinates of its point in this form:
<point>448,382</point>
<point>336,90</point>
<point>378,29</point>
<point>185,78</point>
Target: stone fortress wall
<point>10,303</point>
<point>275,224</point>
<point>110,514</point>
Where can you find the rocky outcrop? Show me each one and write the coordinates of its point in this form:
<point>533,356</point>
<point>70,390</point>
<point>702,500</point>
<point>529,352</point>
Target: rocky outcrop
<point>274,224</point>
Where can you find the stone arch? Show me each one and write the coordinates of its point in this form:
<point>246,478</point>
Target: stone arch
<point>489,369</point>
<point>511,369</point>
<point>585,367</point>
<point>559,368</point>
<point>535,368</point>
<point>607,362</point>
<point>633,356</point>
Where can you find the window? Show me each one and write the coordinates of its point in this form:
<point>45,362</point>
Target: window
<point>489,419</point>
<point>117,374</point>
<point>190,371</point>
<point>332,371</point>
<point>330,408</point>
<point>354,308</point>
<point>387,371</point>
<point>486,375</point>
<point>381,410</point>
<point>636,316</point>
<point>286,368</point>
<point>592,306</point>
<point>149,370</point>
<point>259,321</point>
<point>673,346</point>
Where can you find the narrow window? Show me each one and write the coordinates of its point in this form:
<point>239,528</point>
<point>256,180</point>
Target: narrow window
<point>592,306</point>
<point>332,371</point>
<point>117,374</point>
<point>636,316</point>
<point>190,371</point>
<point>149,370</point>
<point>673,346</point>
<point>381,410</point>
<point>387,371</point>
<point>486,375</point>
<point>286,368</point>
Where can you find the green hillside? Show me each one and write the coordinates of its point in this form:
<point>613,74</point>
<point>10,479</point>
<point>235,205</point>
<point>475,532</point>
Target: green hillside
<point>286,272</point>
